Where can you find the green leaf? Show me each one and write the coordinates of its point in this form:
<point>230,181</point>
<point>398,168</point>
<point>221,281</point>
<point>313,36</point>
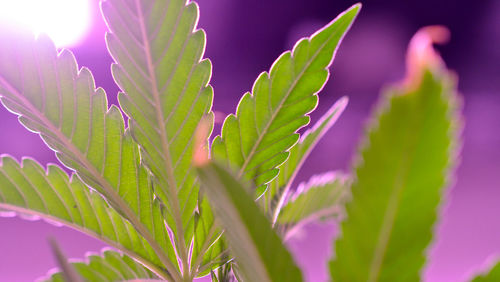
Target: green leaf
<point>166,94</point>
<point>59,101</point>
<point>278,188</point>
<point>109,266</point>
<point>258,250</point>
<point>322,197</point>
<point>492,275</point>
<point>29,190</point>
<point>257,138</point>
<point>400,175</point>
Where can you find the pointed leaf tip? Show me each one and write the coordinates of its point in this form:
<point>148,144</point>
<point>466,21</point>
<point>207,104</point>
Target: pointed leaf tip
<point>421,53</point>
<point>351,12</point>
<point>356,7</point>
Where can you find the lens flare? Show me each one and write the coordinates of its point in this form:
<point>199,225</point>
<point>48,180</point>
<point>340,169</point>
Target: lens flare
<point>65,21</point>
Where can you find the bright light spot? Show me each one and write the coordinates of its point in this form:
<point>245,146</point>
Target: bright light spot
<point>65,21</point>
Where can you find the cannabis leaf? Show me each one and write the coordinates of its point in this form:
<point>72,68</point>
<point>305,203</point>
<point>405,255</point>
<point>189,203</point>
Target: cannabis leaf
<point>258,250</point>
<point>30,190</point>
<point>57,100</point>
<point>400,174</point>
<point>257,138</point>
<point>137,189</point>
<point>109,266</point>
<point>166,93</point>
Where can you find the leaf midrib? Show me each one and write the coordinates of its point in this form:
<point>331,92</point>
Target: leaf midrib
<point>164,140</point>
<point>390,214</point>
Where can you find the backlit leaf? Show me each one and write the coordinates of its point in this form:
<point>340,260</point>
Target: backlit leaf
<point>159,67</point>
<point>258,250</point>
<point>256,139</point>
<point>59,101</point>
<point>29,190</point>
<point>400,174</point>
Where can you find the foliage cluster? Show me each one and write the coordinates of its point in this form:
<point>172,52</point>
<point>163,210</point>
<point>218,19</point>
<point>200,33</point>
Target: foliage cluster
<point>174,205</point>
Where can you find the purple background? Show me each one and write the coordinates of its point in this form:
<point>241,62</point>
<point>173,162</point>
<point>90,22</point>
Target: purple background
<point>244,38</point>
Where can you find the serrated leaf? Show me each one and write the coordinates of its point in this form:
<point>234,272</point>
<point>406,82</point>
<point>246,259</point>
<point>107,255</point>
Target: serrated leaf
<point>279,186</point>
<point>320,198</point>
<point>400,175</point>
<point>491,275</point>
<point>258,250</point>
<point>108,266</point>
<point>59,101</point>
<point>257,138</point>
<point>28,189</point>
<point>166,93</point>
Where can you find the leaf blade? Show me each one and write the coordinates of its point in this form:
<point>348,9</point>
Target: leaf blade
<point>403,168</point>
<point>257,248</point>
<point>30,190</point>
<point>257,138</point>
<point>55,99</point>
<point>159,67</point>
